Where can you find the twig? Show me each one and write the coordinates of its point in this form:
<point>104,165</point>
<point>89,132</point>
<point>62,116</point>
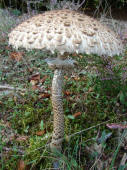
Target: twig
<point>88,129</point>
<point>7,87</point>
<point>81,4</point>
<point>7,90</point>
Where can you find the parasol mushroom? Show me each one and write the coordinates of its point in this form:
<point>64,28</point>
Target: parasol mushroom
<point>66,32</point>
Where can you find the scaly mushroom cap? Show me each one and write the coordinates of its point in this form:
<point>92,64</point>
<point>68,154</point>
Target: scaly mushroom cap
<point>66,31</point>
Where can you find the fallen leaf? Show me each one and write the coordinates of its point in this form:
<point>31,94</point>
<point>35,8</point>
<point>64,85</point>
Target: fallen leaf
<point>90,89</point>
<point>33,82</point>
<point>43,79</point>
<point>35,77</point>
<point>76,78</point>
<point>21,93</point>
<point>35,87</point>
<point>40,133</point>
<point>30,69</point>
<point>116,126</point>
<point>15,99</point>
<point>21,138</point>
<point>7,48</point>
<point>44,95</point>
<point>66,77</point>
<point>21,165</point>
<point>16,56</point>
<point>81,56</point>
<point>8,124</point>
<point>67,93</point>
<point>77,114</point>
<point>2,39</point>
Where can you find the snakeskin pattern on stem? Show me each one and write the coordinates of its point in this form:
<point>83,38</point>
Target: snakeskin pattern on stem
<point>58,124</point>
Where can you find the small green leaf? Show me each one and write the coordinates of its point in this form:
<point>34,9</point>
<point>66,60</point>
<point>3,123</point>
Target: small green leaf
<point>73,105</point>
<point>122,98</point>
<point>26,129</point>
<point>71,117</point>
<point>42,125</point>
<point>27,113</point>
<point>122,167</point>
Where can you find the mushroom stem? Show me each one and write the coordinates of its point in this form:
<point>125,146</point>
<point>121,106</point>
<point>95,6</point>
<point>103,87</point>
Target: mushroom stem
<point>59,66</point>
<point>58,123</point>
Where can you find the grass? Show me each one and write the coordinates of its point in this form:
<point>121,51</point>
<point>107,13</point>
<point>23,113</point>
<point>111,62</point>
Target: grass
<point>93,97</point>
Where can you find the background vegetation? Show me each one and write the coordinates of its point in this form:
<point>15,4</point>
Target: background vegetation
<point>44,4</point>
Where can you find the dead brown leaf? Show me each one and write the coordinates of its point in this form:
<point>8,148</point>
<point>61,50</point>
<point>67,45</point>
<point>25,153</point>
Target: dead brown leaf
<point>30,69</point>
<point>67,93</point>
<point>76,78</point>
<point>8,124</point>
<point>44,95</point>
<point>34,79</point>
<point>66,77</point>
<point>81,56</point>
<point>15,99</point>
<point>35,87</point>
<point>77,114</point>
<point>7,48</point>
<point>17,56</point>
<point>43,79</point>
<point>40,133</point>
<point>2,40</point>
<point>33,82</point>
<point>21,138</point>
<point>90,89</point>
<point>116,126</point>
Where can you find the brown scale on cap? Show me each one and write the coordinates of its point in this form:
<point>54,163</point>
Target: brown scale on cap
<point>66,23</point>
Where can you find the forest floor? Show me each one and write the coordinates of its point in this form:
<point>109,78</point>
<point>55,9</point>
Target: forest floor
<point>95,107</point>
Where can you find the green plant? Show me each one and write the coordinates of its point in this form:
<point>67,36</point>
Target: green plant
<point>37,154</point>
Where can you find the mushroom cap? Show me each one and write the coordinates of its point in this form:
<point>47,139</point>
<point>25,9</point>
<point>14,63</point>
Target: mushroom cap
<point>66,31</point>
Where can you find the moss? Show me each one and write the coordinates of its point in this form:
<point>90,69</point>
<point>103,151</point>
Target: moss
<point>26,114</point>
<point>38,153</point>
